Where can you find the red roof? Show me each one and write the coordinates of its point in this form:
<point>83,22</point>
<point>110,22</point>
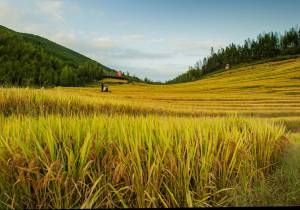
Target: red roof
<point>119,74</point>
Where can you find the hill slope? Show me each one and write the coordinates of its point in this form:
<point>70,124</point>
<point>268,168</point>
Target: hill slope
<point>27,59</point>
<point>265,47</point>
<point>268,89</point>
<point>276,77</point>
<point>68,56</point>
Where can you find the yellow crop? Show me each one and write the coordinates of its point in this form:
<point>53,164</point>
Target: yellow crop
<point>196,144</point>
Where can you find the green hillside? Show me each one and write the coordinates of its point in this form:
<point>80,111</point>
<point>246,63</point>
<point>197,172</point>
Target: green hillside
<point>27,59</point>
<point>69,56</point>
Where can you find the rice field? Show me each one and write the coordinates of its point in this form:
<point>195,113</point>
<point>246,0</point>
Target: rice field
<point>200,144</point>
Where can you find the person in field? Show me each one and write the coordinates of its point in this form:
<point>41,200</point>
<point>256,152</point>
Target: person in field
<point>104,88</point>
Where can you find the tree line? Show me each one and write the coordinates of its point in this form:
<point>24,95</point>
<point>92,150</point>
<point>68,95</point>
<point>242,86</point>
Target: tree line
<point>265,46</point>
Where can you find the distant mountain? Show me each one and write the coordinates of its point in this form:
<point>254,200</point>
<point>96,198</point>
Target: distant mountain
<point>31,60</point>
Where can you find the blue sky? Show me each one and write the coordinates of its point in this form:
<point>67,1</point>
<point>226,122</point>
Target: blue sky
<point>157,39</point>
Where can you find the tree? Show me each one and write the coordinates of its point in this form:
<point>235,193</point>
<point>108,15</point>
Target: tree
<point>67,76</point>
<point>146,80</point>
<point>267,45</point>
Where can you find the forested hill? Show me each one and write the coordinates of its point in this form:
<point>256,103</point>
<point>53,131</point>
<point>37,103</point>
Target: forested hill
<point>30,60</point>
<point>267,46</point>
<point>68,56</point>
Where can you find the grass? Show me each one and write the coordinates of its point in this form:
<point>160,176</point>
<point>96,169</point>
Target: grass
<point>112,81</point>
<point>282,188</point>
<point>230,139</point>
<point>119,161</point>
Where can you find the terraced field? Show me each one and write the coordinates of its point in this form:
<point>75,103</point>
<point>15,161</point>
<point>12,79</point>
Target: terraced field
<point>271,88</point>
<point>229,139</point>
<point>265,90</point>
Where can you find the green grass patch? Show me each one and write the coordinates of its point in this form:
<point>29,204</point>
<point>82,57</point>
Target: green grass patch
<point>281,188</point>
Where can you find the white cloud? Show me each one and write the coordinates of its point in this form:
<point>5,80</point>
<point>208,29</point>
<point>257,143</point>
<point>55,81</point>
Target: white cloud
<point>139,38</point>
<point>31,17</point>
<point>193,47</point>
<point>69,39</point>
<point>51,8</point>
<point>133,54</point>
<point>104,42</point>
<point>157,71</point>
<point>9,14</point>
